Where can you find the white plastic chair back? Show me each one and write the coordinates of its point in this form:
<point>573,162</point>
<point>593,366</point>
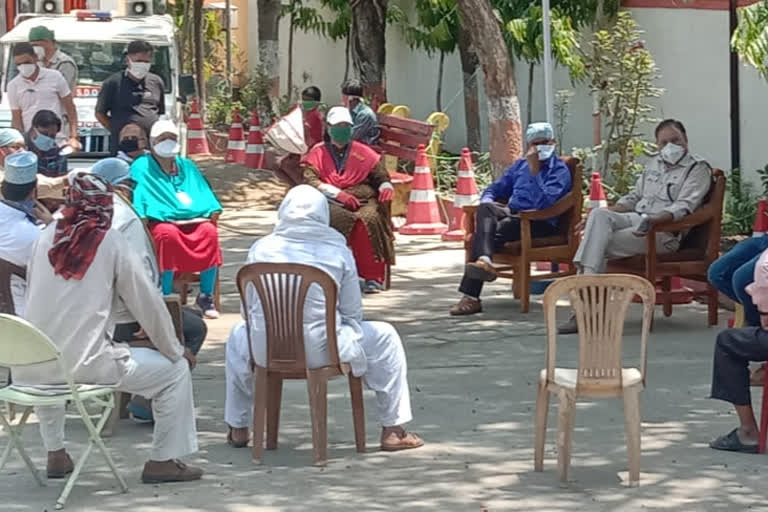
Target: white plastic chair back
<point>23,344</point>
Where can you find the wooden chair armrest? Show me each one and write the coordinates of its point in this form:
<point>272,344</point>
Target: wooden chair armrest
<point>173,303</point>
<point>556,210</point>
<point>697,218</point>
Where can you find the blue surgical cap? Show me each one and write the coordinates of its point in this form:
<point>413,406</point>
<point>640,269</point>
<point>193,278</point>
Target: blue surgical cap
<point>8,136</point>
<point>539,131</point>
<point>112,170</point>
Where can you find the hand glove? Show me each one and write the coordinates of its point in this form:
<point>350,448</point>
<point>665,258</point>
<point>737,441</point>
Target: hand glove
<point>386,194</point>
<point>349,201</point>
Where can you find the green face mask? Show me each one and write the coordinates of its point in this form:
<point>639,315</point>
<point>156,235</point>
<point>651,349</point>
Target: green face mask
<point>308,105</point>
<point>340,134</point>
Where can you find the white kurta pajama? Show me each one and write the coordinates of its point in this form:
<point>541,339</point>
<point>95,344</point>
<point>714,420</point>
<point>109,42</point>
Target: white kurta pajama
<point>78,317</point>
<point>373,349</point>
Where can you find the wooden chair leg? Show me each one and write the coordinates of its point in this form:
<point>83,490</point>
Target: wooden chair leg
<point>122,401</point>
<point>712,305</point>
<point>217,291</point>
<point>358,411</point>
<point>525,287</point>
<point>763,434</point>
<point>259,411</point>
<point>317,386</point>
<point>666,288</point>
<point>542,407</point>
<point>119,412</point>
<point>183,289</point>
<point>565,414</point>
<point>274,398</point>
<point>516,287</point>
<point>632,428</point>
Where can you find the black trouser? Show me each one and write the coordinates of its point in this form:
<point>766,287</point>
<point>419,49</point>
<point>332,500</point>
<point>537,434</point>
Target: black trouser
<point>496,225</point>
<point>734,350</point>
<point>192,323</point>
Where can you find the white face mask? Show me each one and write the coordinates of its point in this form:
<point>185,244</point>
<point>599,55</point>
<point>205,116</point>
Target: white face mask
<point>545,151</point>
<point>167,149</point>
<point>27,70</point>
<point>672,153</point>
<point>40,52</point>
<point>139,69</point>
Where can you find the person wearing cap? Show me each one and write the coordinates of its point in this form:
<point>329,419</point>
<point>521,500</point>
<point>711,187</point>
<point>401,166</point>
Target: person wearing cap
<point>44,42</point>
<point>358,188</point>
<point>37,88</point>
<point>21,217</point>
<point>79,271</point>
<point>131,96</point>
<point>181,210</point>
<point>734,350</point>
<point>535,182</point>
<point>12,141</point>
<point>366,123</point>
<point>125,220</point>
<point>672,185</point>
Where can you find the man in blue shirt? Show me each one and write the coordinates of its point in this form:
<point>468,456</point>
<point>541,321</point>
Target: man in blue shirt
<point>365,127</point>
<point>535,182</point>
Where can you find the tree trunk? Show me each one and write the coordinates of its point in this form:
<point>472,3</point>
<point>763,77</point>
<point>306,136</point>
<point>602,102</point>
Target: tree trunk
<point>269,42</point>
<point>291,31</point>
<point>469,67</point>
<point>440,67</point>
<point>367,34</point>
<point>197,37</point>
<point>505,132</point>
<point>346,58</point>
<point>529,106</point>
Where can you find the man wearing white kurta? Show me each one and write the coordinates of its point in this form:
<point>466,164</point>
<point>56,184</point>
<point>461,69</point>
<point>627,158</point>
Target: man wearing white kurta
<point>72,291</point>
<point>373,349</point>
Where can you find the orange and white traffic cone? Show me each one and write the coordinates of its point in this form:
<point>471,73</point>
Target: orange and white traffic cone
<point>197,143</point>
<point>423,217</point>
<point>596,193</point>
<point>760,226</point>
<point>236,142</point>
<point>466,194</point>
<point>254,151</point>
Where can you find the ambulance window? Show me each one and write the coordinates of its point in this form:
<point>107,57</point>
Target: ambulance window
<point>98,60</point>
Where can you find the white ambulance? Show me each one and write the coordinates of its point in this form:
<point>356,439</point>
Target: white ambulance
<point>96,40</point>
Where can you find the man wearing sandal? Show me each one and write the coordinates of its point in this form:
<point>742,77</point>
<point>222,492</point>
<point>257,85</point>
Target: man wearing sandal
<point>734,350</point>
<point>373,349</point>
<point>535,182</point>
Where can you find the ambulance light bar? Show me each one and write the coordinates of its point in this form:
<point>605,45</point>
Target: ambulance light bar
<point>94,16</point>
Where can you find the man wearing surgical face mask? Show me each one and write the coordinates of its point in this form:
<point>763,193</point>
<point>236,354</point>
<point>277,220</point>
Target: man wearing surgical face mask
<point>535,182</point>
<point>41,140</point>
<point>672,185</point>
<point>131,96</point>
<point>49,56</point>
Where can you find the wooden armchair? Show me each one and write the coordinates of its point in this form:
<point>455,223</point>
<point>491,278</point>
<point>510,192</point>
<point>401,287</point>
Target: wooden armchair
<point>515,258</point>
<point>182,280</point>
<point>698,249</point>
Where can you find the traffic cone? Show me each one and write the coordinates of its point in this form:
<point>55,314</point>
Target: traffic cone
<point>423,217</point>
<point>254,152</point>
<point>197,143</point>
<point>466,194</point>
<point>596,193</point>
<point>760,227</point>
<point>236,143</point>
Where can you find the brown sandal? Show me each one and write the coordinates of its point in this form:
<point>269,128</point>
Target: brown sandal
<point>237,444</point>
<point>395,442</point>
<point>466,306</point>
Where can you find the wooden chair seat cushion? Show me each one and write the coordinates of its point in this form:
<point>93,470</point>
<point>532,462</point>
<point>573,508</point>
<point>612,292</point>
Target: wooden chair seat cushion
<point>567,377</point>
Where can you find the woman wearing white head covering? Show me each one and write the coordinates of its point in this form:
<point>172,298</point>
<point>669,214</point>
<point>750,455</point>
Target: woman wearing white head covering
<point>373,349</point>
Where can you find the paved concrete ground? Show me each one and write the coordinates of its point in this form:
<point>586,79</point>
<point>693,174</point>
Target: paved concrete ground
<point>472,384</point>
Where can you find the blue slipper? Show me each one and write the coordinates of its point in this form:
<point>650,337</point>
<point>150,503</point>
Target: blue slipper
<point>731,443</point>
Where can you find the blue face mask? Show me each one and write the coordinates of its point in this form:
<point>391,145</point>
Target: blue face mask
<point>44,142</point>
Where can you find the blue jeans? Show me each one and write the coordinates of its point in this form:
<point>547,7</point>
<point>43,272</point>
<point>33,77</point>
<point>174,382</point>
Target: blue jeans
<point>734,270</point>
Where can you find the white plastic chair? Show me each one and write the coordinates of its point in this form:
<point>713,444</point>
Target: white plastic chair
<point>600,304</point>
<point>22,344</point>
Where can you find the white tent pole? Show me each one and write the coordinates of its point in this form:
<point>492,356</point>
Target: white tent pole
<point>549,94</point>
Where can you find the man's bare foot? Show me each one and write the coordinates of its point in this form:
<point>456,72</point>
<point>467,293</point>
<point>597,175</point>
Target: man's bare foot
<point>159,472</point>
<point>238,437</point>
<point>59,464</point>
<point>394,439</point>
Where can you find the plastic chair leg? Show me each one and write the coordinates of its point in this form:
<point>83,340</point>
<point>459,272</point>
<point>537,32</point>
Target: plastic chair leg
<point>565,414</point>
<point>763,435</point>
<point>632,428</point>
<point>542,408</point>
<point>358,411</point>
<point>274,399</point>
<point>317,386</point>
<point>259,412</point>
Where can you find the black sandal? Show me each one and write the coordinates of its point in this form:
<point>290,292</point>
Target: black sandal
<point>236,444</point>
<point>731,443</point>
